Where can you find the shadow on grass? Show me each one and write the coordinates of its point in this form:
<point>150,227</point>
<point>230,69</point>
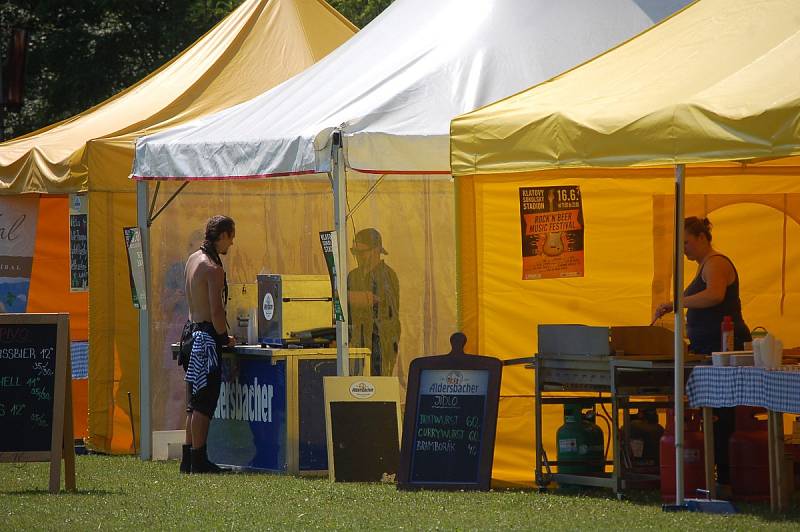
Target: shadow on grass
<point>78,493</point>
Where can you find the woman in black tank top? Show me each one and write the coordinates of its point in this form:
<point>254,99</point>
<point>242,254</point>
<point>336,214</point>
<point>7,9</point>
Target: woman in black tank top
<point>712,295</point>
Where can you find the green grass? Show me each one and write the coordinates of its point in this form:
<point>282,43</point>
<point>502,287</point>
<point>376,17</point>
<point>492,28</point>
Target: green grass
<point>126,493</point>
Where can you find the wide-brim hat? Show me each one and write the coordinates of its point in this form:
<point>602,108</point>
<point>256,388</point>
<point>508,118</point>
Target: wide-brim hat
<point>370,237</point>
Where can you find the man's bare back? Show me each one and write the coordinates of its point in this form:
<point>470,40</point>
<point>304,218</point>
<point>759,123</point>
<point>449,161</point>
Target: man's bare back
<point>204,290</point>
<point>205,287</point>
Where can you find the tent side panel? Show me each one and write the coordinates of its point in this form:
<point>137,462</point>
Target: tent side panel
<point>467,262</point>
<point>50,275</point>
<point>113,324</point>
<point>50,290</point>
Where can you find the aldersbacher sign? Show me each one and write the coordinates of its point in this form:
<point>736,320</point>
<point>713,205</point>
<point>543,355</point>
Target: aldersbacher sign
<point>245,401</point>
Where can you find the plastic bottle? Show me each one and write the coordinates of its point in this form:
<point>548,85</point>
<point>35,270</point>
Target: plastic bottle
<point>727,334</point>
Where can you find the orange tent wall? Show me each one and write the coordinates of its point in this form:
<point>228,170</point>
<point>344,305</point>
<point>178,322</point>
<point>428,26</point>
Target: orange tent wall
<point>49,289</point>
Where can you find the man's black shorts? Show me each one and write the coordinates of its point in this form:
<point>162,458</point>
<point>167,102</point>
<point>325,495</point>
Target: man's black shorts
<point>205,400</point>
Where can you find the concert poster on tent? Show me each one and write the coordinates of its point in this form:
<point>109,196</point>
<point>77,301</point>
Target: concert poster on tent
<point>552,232</point>
<point>18,216</point>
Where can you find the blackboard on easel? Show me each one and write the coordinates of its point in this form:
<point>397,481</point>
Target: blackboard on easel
<point>450,421</point>
<point>36,393</point>
<point>362,420</point>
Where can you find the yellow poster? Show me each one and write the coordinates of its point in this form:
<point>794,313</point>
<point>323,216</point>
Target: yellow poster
<point>552,232</point>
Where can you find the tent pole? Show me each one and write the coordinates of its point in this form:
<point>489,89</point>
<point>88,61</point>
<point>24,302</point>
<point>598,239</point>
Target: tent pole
<point>677,277</point>
<point>152,217</point>
<point>340,215</point>
<point>144,326</point>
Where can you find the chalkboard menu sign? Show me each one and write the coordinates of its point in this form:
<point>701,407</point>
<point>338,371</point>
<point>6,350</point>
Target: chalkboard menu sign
<point>27,384</point>
<point>78,243</point>
<point>450,421</point>
<point>362,421</point>
<point>35,393</point>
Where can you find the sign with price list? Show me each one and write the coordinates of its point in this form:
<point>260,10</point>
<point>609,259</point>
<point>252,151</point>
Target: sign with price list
<point>450,421</point>
<point>35,393</point>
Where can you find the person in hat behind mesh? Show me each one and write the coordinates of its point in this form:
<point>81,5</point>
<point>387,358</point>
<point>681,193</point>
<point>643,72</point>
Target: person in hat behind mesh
<point>374,302</point>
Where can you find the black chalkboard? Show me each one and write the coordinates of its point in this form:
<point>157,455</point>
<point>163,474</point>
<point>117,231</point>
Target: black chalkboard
<point>27,386</point>
<point>365,438</point>
<point>35,398</point>
<point>313,453</point>
<point>79,252</point>
<point>450,421</point>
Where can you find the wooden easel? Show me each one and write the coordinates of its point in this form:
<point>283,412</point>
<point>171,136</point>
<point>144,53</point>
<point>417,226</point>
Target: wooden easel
<point>61,441</point>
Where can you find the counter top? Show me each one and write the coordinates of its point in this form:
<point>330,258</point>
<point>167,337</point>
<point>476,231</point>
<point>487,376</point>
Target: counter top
<point>257,350</point>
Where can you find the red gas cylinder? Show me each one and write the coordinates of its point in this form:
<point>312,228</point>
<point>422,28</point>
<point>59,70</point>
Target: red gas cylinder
<point>748,449</point>
<point>693,464</point>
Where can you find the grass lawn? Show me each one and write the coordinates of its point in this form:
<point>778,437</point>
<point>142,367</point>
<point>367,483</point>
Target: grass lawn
<point>126,493</point>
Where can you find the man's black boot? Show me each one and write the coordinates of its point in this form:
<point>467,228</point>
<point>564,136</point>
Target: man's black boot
<point>201,464</point>
<point>212,467</point>
<point>186,459</point>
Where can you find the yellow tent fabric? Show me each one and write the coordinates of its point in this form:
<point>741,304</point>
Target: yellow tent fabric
<point>231,63</point>
<point>700,97</point>
<point>261,44</point>
<point>711,87</point>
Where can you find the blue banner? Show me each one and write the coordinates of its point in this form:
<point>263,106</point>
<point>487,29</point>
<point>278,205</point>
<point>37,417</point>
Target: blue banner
<point>249,426</point>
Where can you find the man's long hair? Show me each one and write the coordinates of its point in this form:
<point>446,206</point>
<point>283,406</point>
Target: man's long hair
<point>215,228</point>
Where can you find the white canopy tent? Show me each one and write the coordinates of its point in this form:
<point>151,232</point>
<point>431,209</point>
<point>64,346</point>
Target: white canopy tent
<point>382,102</point>
<point>393,88</point>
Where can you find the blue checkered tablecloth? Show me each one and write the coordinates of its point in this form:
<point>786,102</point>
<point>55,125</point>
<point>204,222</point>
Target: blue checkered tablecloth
<point>718,386</point>
<point>79,354</point>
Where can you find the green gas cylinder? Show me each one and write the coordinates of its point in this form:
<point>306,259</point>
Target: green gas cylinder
<point>579,442</point>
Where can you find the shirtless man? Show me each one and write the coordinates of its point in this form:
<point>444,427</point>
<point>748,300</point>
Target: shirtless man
<point>205,294</point>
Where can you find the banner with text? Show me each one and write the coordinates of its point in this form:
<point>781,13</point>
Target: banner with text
<point>133,244</point>
<point>330,245</point>
<point>18,216</point>
<point>78,243</point>
<point>552,232</point>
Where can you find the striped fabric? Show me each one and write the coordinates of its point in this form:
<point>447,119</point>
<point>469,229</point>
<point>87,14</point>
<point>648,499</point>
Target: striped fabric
<point>720,386</point>
<point>202,361</point>
<point>79,355</point>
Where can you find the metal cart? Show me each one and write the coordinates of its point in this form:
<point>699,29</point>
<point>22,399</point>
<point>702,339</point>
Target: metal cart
<point>623,382</point>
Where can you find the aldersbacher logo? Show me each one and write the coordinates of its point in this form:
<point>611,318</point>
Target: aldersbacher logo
<point>454,383</point>
<point>362,390</point>
<point>245,401</point>
<point>454,377</point>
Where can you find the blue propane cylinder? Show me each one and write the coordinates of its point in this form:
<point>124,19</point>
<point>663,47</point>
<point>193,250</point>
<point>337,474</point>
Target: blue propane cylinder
<point>579,442</point>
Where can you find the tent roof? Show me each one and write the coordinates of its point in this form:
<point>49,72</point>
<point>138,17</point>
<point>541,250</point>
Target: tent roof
<point>260,44</point>
<point>395,86</point>
<point>716,82</point>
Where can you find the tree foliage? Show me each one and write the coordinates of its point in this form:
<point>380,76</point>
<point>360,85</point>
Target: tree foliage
<point>82,52</point>
<point>360,12</point>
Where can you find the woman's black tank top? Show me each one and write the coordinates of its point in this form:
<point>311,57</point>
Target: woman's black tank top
<point>704,325</point>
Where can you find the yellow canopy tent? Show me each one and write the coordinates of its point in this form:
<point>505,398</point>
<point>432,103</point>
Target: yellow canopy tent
<point>712,88</point>
<point>261,44</point>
